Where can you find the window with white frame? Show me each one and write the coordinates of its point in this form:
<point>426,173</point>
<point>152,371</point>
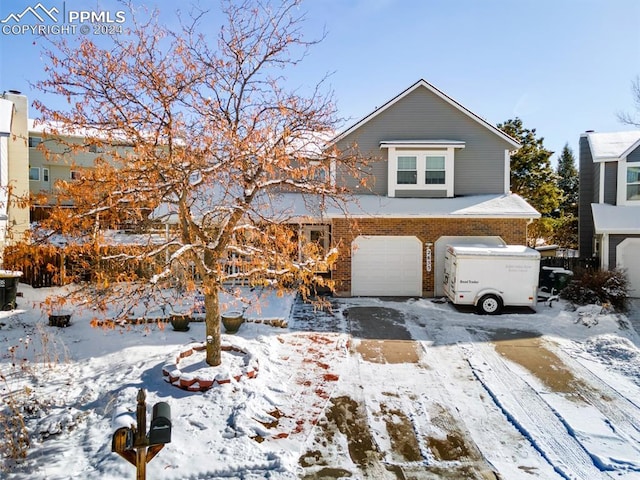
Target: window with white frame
<point>435,171</point>
<point>34,174</point>
<point>34,141</point>
<point>421,167</point>
<point>315,240</point>
<point>75,175</point>
<point>318,235</point>
<point>633,183</point>
<point>407,170</point>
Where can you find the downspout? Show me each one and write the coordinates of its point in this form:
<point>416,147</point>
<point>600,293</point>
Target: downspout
<point>604,247</point>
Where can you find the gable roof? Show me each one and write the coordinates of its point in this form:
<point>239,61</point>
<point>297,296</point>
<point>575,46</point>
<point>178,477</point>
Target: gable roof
<point>612,146</point>
<point>424,84</point>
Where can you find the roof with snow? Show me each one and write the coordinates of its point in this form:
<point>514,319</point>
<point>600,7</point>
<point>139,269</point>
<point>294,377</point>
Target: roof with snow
<point>612,146</point>
<point>297,207</point>
<point>497,250</point>
<point>618,219</point>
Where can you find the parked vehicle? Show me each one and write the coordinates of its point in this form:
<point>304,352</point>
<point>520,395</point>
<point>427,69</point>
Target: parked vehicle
<point>491,277</point>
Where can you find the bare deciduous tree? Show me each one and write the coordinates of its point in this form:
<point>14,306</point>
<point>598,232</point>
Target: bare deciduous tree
<point>632,118</point>
<point>207,134</point>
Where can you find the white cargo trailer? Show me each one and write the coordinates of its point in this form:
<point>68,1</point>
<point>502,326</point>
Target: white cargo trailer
<point>491,277</point>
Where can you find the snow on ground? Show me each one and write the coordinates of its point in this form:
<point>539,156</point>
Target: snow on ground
<point>374,389</point>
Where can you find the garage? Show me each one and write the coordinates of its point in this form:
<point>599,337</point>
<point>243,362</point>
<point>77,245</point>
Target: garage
<point>386,266</point>
<point>628,257</point>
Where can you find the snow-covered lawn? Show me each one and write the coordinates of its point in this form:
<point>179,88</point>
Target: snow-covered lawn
<point>551,394</point>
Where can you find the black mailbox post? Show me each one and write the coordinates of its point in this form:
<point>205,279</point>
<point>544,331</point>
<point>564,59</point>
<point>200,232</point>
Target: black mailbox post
<point>137,446</point>
<point>160,431</point>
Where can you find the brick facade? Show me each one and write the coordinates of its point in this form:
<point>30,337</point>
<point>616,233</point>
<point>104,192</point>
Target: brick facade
<point>344,231</point>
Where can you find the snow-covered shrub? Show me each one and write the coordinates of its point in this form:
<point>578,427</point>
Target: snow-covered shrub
<point>599,287</point>
<point>14,437</point>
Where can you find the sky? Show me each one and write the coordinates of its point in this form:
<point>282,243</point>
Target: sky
<point>562,66</point>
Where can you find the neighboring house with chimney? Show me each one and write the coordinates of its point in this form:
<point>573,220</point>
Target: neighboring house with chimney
<point>609,205</point>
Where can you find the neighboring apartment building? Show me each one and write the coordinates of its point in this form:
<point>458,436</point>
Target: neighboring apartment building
<point>49,162</point>
<point>609,206</point>
<point>26,171</point>
<point>14,167</point>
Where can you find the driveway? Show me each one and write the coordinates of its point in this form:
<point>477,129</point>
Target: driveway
<point>382,334</point>
<point>433,392</point>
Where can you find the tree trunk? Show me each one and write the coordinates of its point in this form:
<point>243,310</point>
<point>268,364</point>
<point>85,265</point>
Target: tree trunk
<point>212,322</point>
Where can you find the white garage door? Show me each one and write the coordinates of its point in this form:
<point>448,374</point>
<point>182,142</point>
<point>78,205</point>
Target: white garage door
<point>386,266</point>
<point>628,257</point>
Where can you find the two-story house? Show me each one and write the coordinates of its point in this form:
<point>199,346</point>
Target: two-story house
<point>441,176</point>
<point>609,207</point>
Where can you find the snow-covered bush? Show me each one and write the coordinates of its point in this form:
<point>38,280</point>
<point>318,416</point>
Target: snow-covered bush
<point>599,287</point>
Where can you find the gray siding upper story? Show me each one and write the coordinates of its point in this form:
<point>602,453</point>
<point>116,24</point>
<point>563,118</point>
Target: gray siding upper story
<point>610,182</point>
<point>634,156</point>
<point>588,194</point>
<point>423,115</point>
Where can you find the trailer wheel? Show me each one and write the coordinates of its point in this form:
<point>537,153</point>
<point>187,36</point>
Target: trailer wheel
<point>489,305</point>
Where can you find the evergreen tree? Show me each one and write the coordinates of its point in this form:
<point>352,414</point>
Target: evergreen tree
<point>532,176</point>
<point>566,225</point>
<point>568,181</point>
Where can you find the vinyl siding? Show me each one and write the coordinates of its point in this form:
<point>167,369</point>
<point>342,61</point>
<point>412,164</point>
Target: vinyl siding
<point>422,115</point>
<point>610,182</point>
<point>587,192</point>
<point>634,156</point>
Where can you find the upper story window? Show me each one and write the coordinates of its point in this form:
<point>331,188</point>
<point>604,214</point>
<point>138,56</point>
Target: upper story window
<point>421,168</point>
<point>628,182</point>
<point>407,170</point>
<point>34,174</point>
<point>34,142</point>
<point>633,183</point>
<point>435,173</point>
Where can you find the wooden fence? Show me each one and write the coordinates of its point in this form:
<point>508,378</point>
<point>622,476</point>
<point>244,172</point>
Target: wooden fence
<point>571,263</point>
<point>48,266</point>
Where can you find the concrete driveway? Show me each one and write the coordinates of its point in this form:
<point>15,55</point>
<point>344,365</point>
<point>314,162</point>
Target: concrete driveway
<point>383,335</point>
<point>432,392</point>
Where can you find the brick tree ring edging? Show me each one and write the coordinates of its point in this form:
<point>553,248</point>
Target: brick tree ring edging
<point>206,377</point>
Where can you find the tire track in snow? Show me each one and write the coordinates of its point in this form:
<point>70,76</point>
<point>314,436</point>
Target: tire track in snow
<point>620,414</point>
<point>531,414</point>
<point>504,447</point>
